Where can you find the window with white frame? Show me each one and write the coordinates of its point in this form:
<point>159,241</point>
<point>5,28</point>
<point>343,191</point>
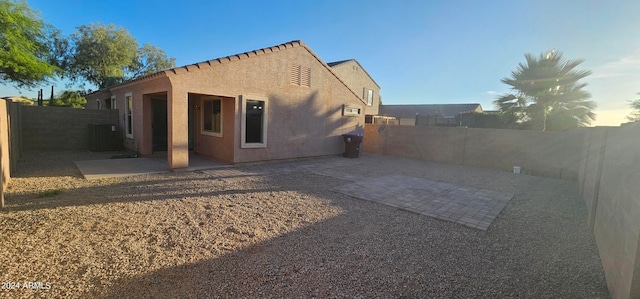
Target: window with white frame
<point>212,117</point>
<point>128,115</point>
<point>254,122</point>
<point>368,96</point>
<point>112,103</point>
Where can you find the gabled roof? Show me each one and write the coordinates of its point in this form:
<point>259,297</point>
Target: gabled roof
<point>338,62</point>
<point>231,58</point>
<point>335,63</point>
<point>410,111</point>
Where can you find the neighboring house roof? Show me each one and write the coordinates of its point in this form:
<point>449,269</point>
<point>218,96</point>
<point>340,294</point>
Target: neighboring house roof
<point>410,111</point>
<point>332,64</point>
<point>231,58</point>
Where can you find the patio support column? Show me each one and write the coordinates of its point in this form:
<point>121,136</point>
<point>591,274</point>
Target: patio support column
<point>177,129</point>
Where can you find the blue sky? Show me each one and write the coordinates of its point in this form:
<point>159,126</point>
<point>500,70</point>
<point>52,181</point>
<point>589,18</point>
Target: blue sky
<point>418,51</point>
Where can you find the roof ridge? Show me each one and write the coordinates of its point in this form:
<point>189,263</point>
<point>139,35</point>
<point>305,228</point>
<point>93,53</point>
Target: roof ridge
<point>219,60</point>
<point>332,64</point>
<point>239,56</point>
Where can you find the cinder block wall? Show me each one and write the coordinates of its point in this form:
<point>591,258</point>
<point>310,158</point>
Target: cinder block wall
<point>60,128</point>
<point>549,154</point>
<point>604,161</point>
<point>610,186</point>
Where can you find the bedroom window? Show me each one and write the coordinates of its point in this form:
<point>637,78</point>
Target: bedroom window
<point>254,122</point>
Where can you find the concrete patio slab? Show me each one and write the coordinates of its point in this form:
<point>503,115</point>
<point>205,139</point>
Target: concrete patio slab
<point>472,207</point>
<point>110,168</point>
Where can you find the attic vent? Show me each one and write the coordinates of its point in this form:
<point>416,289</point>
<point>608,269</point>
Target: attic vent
<point>300,75</point>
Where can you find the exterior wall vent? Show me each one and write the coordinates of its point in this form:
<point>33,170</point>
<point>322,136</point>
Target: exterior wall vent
<point>300,75</point>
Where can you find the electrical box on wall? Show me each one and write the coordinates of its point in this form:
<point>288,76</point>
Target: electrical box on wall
<point>102,137</point>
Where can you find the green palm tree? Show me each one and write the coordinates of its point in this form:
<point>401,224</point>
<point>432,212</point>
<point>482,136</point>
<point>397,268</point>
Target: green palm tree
<point>547,87</point>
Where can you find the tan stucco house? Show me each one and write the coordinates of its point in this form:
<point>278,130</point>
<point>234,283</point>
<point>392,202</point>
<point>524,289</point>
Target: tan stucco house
<point>280,102</point>
<point>360,82</point>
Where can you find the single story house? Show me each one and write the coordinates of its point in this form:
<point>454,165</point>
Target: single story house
<point>430,114</point>
<point>280,102</point>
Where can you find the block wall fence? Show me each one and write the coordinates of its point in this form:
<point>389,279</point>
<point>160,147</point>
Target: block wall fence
<point>60,128</point>
<point>605,162</point>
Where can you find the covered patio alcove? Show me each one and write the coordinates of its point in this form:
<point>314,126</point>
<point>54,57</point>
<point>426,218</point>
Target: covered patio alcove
<point>209,129</point>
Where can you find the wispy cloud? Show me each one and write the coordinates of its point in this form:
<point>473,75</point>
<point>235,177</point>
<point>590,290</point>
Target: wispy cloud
<point>623,67</point>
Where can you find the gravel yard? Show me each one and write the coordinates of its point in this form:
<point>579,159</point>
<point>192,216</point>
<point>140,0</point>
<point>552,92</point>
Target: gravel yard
<point>287,234</point>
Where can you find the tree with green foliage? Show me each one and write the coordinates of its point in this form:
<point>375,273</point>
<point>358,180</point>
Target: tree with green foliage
<point>105,55</point>
<point>150,59</point>
<point>635,114</point>
<point>547,95</point>
<point>27,46</point>
<point>101,54</point>
<point>69,98</point>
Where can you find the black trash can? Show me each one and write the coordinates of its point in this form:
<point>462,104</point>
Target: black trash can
<point>352,145</point>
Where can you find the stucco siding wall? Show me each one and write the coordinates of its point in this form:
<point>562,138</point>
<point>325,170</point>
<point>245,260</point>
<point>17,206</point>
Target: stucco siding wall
<point>357,79</point>
<point>141,93</point>
<point>220,148</point>
<point>302,121</point>
<point>5,162</point>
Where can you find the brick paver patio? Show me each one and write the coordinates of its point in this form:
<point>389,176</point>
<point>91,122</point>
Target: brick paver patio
<point>469,206</point>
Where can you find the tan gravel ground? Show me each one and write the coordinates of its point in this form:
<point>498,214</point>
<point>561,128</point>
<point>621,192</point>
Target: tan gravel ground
<point>193,235</point>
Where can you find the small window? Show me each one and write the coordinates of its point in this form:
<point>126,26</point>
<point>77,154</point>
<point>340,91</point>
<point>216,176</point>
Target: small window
<point>99,104</point>
<point>351,111</point>
<point>128,115</point>
<point>368,96</point>
<point>254,122</point>
<point>113,102</point>
<point>212,117</point>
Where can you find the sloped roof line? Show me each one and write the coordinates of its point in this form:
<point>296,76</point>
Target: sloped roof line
<point>338,62</point>
<point>335,63</point>
<point>230,58</point>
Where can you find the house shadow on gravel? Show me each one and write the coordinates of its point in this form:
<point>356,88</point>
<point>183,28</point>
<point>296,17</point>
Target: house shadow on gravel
<point>538,247</point>
<point>371,250</point>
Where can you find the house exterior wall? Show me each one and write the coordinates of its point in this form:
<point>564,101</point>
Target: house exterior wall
<point>141,94</point>
<point>302,121</point>
<point>352,74</point>
<point>217,147</point>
